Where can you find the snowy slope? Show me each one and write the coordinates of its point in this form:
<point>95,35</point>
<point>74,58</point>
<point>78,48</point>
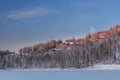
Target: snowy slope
<point>95,67</point>
<point>104,67</point>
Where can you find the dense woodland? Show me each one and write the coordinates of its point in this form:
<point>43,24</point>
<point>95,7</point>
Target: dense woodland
<point>80,55</point>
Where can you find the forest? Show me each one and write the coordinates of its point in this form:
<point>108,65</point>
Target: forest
<point>58,54</point>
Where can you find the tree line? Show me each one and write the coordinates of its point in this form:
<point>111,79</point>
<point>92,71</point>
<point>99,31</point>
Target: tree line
<point>81,55</point>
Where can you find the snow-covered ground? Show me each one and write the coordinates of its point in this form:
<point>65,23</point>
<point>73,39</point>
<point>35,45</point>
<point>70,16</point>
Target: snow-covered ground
<point>95,67</point>
<point>60,75</point>
<point>98,72</point>
<point>104,67</point>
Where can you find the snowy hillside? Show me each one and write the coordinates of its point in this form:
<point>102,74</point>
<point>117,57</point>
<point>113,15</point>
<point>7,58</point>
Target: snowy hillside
<point>61,55</point>
<point>95,67</point>
<point>104,67</point>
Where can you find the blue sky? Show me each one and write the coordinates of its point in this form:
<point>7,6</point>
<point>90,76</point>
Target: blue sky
<point>27,22</point>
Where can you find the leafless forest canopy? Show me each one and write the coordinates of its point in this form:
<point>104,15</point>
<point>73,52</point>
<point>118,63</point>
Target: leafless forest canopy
<point>101,47</point>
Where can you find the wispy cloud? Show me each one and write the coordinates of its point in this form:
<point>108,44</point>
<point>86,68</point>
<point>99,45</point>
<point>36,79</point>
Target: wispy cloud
<point>28,13</point>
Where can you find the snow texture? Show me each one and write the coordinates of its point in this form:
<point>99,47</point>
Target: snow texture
<point>95,67</point>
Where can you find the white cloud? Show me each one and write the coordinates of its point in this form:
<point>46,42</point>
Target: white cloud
<point>28,13</point>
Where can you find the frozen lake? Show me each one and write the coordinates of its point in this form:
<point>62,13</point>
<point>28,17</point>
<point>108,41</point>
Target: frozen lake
<point>61,75</point>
